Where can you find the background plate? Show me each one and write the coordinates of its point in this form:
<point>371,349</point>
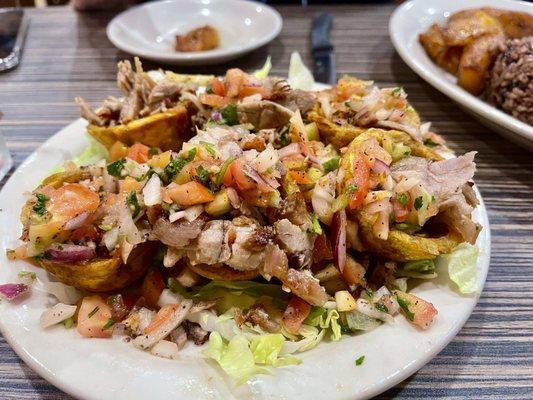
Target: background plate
<point>413,18</point>
<point>97,369</point>
<point>149,30</point>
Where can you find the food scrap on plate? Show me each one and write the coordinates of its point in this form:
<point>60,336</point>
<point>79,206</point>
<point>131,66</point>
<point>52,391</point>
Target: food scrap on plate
<point>260,217</point>
<point>199,39</point>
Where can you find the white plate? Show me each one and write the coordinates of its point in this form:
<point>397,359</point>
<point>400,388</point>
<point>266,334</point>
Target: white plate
<point>149,30</point>
<point>413,18</point>
<point>99,369</point>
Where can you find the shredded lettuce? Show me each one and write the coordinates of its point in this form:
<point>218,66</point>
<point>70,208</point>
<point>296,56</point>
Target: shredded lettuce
<point>265,70</point>
<point>462,267</point>
<point>299,75</point>
<point>93,153</point>
<point>327,319</point>
<point>241,359</point>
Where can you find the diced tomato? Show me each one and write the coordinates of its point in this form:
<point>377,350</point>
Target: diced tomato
<point>190,193</point>
<point>322,249</point>
<point>401,212</point>
<point>243,181</point>
<point>118,151</point>
<point>233,82</point>
<point>72,200</point>
<point>252,90</point>
<point>353,272</point>
<point>139,152</point>
<point>299,177</point>
<point>162,316</point>
<point>360,180</point>
<point>152,286</point>
<point>94,313</point>
<point>86,231</point>
<point>218,87</point>
<point>296,312</point>
<point>213,100</point>
<point>418,311</point>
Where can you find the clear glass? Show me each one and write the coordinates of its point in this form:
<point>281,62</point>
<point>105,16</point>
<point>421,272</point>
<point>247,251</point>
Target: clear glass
<point>5,158</point>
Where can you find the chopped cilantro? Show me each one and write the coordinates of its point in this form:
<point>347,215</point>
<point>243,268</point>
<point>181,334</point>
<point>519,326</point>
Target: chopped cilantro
<point>176,165</point>
<point>176,287</point>
<point>315,226</point>
<point>229,113</point>
<point>352,188</point>
<point>68,323</point>
<point>223,169</point>
<point>403,198</point>
<point>204,177</point>
<point>94,311</point>
<point>419,202</point>
<point>360,360</point>
<point>110,322</point>
<point>332,164</point>
<point>40,206</point>
<point>154,151</point>
<point>133,202</point>
<point>381,307</point>
<point>397,90</point>
<point>285,138</point>
<point>430,143</point>
<point>210,148</point>
<point>209,88</point>
<point>404,304</point>
<point>30,274</point>
<point>115,168</point>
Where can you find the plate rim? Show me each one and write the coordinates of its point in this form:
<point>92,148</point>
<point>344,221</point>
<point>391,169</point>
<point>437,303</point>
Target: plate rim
<point>452,90</point>
<point>193,57</point>
<point>385,384</point>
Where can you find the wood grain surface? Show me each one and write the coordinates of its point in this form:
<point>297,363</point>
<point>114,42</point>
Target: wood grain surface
<point>67,54</point>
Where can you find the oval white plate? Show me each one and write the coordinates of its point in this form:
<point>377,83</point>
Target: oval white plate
<point>149,30</point>
<point>99,369</point>
<point>414,17</point>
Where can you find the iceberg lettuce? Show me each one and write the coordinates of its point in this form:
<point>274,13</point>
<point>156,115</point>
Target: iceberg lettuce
<point>461,264</point>
<point>265,70</point>
<point>327,319</point>
<point>299,75</point>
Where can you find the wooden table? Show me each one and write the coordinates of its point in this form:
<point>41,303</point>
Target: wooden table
<point>67,54</point>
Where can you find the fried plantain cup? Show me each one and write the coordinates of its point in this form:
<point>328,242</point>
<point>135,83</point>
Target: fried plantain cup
<point>166,130</point>
<point>400,245</point>
<point>96,275</point>
<point>221,272</point>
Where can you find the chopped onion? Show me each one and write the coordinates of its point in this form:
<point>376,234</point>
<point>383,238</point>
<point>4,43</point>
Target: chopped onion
<point>406,184</point>
<point>76,222</point>
<point>56,314</point>
<point>290,150</point>
<point>168,297</point>
<point>424,128</point>
<point>234,198</point>
<point>298,123</point>
<point>70,253</point>
<point>323,99</point>
<point>145,317</point>
<point>190,213</point>
<point>172,256</point>
<point>125,250</point>
<point>152,191</point>
<point>338,230</point>
<point>64,293</point>
<point>380,167</point>
<point>216,116</point>
<point>377,206</point>
<point>165,349</point>
<point>267,159</point>
<point>11,291</point>
<point>367,308</point>
<point>110,238</point>
<point>412,131</point>
<point>323,197</point>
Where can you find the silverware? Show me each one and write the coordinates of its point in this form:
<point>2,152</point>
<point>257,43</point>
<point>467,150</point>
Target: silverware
<point>322,50</point>
<point>15,23</point>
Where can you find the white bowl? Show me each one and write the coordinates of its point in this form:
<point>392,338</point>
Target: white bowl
<point>149,30</point>
<point>413,18</point>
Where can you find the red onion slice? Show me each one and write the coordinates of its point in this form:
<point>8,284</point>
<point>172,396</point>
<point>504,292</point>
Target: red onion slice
<point>290,150</point>
<point>380,167</point>
<point>71,253</point>
<point>11,291</point>
<point>76,222</point>
<point>338,231</point>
